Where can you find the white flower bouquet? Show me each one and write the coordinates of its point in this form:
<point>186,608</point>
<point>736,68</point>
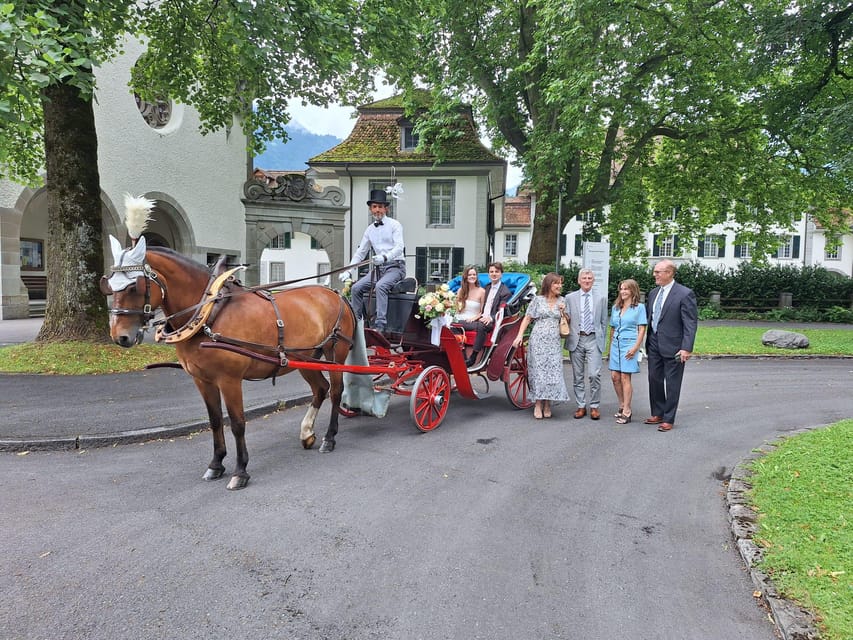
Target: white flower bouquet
<point>435,304</point>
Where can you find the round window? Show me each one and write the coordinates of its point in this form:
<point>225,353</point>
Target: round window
<point>157,114</point>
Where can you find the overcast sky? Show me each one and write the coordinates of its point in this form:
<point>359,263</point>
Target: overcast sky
<point>339,121</point>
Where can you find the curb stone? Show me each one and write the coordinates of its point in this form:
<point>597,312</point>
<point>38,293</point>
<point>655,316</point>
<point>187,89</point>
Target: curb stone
<point>792,621</point>
<point>139,435</point>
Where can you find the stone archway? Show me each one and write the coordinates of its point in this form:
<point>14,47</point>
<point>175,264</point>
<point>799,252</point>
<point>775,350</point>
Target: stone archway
<point>28,219</point>
<point>294,204</point>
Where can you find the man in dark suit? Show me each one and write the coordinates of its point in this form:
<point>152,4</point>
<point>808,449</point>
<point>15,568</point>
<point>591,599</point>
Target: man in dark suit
<point>497,294</point>
<point>669,342</point>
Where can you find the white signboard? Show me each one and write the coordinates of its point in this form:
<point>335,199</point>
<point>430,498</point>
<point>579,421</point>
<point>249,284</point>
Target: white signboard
<point>596,256</point>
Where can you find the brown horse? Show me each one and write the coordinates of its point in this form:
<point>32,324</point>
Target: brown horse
<point>303,323</point>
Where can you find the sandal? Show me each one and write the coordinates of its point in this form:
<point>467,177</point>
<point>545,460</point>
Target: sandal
<point>547,413</point>
<point>537,413</point>
<point>618,414</point>
<point>623,419</point>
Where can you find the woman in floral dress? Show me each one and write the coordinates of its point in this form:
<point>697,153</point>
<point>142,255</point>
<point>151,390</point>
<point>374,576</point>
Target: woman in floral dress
<point>545,347</point>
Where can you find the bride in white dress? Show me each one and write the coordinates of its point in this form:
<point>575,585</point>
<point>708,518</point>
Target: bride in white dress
<point>469,304</point>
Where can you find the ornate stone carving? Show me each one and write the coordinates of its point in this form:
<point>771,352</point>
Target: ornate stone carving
<point>156,114</point>
<point>291,186</point>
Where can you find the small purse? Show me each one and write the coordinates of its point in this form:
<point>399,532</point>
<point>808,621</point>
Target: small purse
<point>564,325</point>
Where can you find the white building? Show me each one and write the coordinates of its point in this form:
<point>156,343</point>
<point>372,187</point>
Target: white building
<point>151,150</point>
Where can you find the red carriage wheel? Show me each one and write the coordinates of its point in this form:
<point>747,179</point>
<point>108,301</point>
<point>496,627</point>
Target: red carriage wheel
<point>430,398</point>
<point>515,379</point>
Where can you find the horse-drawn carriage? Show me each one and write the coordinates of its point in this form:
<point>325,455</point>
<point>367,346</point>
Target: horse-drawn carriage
<point>427,363</point>
<point>224,333</point>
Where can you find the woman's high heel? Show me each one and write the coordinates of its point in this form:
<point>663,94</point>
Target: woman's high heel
<point>623,419</point>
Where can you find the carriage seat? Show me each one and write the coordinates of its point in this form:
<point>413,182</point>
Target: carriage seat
<point>521,289</point>
<point>406,285</point>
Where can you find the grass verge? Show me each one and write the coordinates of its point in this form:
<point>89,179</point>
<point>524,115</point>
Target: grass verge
<point>81,358</point>
<point>803,492</point>
<point>722,340</point>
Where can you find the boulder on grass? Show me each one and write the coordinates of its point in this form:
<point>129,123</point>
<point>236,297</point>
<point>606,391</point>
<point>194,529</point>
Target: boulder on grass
<point>784,339</point>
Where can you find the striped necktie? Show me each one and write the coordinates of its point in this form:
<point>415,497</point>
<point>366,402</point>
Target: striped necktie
<point>656,311</point>
<point>587,314</point>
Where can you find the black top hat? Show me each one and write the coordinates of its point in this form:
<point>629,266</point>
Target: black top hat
<point>378,196</point>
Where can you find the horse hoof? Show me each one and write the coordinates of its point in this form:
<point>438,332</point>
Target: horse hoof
<point>308,442</point>
<point>212,474</point>
<point>238,482</point>
<point>328,446</point>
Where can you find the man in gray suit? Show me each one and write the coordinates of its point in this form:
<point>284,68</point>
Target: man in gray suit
<point>588,324</point>
<point>669,342</point>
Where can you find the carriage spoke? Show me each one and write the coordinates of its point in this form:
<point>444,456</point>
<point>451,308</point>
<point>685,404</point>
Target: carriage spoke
<point>515,379</point>
<point>430,398</point>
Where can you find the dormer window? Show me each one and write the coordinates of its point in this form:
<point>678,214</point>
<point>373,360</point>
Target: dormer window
<point>409,139</point>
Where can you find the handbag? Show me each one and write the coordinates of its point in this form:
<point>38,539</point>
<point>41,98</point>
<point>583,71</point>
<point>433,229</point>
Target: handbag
<point>564,325</point>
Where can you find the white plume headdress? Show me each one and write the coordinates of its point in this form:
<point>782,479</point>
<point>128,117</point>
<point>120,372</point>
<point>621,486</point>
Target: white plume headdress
<point>137,213</point>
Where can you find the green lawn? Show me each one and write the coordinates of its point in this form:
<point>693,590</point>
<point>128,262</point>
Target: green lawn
<point>803,492</point>
<point>80,358</point>
<point>716,340</point>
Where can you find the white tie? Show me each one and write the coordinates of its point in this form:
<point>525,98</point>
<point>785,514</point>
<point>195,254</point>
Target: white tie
<point>656,311</point>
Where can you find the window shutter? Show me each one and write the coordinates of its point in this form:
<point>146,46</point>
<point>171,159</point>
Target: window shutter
<point>562,244</point>
<point>457,258</point>
<point>578,244</point>
<point>675,245</point>
<point>721,246</point>
<point>700,247</point>
<point>421,264</point>
<point>775,253</point>
<point>737,250</point>
<point>796,251</point>
<point>656,245</point>
<point>287,239</point>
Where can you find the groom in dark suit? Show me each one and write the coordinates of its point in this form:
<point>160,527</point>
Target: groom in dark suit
<point>497,295</point>
<point>669,342</point>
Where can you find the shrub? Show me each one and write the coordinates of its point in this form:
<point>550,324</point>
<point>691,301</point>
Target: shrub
<point>839,314</point>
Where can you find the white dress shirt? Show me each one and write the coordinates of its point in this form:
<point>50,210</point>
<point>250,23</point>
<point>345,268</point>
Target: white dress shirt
<point>386,240</point>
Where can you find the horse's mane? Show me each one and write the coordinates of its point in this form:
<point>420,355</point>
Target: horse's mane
<point>182,260</point>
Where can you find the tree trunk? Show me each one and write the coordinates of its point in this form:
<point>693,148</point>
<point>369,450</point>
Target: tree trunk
<point>76,309</point>
<point>544,242</point>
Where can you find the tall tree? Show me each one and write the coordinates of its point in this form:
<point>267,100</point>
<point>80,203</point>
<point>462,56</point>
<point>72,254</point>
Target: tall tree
<point>240,59</point>
<point>626,111</point>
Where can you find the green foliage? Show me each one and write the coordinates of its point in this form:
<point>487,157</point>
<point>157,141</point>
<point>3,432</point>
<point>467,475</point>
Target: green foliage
<point>243,59</point>
<point>627,110</point>
<point>803,493</point>
<point>815,290</point>
<point>839,314</point>
<point>709,312</point>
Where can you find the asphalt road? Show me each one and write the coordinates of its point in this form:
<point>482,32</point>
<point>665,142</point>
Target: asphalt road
<point>494,526</point>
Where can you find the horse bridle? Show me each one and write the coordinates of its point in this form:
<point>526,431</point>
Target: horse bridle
<point>148,276</point>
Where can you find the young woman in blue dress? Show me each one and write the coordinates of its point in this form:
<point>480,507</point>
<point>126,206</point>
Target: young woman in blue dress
<point>628,321</point>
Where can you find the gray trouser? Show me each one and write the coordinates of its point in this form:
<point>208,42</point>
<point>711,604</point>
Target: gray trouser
<point>389,275</point>
<point>587,356</point>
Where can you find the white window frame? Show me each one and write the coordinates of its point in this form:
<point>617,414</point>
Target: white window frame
<point>273,268</point>
<point>711,248</point>
<point>832,249</point>
<point>786,249</point>
<point>746,249</point>
<point>409,139</point>
<point>444,202</point>
<point>667,246</point>
<point>511,245</point>
<point>281,241</point>
<point>439,259</point>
